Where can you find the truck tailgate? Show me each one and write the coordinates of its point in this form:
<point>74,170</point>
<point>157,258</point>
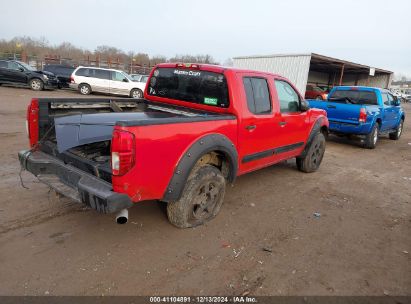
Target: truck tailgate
<point>341,113</point>
<point>73,182</point>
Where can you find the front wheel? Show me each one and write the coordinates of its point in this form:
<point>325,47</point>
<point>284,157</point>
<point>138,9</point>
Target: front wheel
<point>372,137</point>
<point>36,84</point>
<point>201,200</point>
<point>136,93</point>
<point>314,156</point>
<point>397,134</point>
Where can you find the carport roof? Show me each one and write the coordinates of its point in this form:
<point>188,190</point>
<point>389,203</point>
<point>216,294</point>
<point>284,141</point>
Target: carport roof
<point>321,62</point>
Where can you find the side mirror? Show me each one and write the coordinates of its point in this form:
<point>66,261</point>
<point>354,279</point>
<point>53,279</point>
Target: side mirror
<point>21,69</point>
<point>304,106</point>
<point>125,80</point>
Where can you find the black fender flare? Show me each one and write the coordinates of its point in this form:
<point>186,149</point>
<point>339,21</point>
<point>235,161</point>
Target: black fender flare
<point>316,128</point>
<point>202,146</point>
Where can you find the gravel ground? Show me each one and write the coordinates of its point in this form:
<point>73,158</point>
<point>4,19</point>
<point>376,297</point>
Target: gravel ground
<point>265,241</point>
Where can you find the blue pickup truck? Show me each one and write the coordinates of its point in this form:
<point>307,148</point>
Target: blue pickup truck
<point>363,111</point>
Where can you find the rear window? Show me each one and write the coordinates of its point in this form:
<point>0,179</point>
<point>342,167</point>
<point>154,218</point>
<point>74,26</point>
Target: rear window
<point>354,97</point>
<point>195,86</point>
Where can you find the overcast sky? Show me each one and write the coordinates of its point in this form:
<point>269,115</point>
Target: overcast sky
<point>375,33</point>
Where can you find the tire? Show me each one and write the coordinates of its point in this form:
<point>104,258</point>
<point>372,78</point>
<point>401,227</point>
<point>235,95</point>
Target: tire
<point>372,137</point>
<point>397,134</point>
<point>319,97</point>
<point>84,89</point>
<point>136,93</point>
<point>36,84</point>
<point>201,200</point>
<point>314,156</point>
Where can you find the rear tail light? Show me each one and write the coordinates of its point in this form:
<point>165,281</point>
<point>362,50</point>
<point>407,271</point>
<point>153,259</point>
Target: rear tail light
<point>122,152</point>
<point>32,122</point>
<point>363,115</point>
<point>72,79</point>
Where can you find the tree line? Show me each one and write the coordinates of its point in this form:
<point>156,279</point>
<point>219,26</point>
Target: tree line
<point>41,47</point>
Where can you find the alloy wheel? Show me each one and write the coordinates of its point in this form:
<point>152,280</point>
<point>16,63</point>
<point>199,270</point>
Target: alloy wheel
<point>205,201</point>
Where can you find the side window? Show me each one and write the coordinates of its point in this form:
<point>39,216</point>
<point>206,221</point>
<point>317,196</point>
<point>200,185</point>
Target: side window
<point>82,72</point>
<point>287,96</point>
<point>385,99</point>
<point>3,64</point>
<point>258,96</point>
<point>117,76</point>
<point>390,99</point>
<point>102,74</point>
<point>13,66</point>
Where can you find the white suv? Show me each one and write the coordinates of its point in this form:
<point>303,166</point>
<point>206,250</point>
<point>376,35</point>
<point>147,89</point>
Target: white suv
<point>92,79</point>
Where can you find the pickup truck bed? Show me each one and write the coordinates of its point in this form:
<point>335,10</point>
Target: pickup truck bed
<point>74,157</point>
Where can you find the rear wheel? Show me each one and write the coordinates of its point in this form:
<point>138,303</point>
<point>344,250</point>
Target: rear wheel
<point>84,89</point>
<point>136,93</point>
<point>314,156</point>
<point>201,200</point>
<point>36,84</point>
<point>372,137</point>
<point>397,134</point>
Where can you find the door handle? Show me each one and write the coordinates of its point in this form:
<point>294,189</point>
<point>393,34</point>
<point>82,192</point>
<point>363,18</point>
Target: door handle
<point>331,107</point>
<point>251,127</point>
<point>282,123</point>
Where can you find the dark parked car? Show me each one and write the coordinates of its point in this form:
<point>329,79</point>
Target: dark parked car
<point>62,72</point>
<point>19,73</point>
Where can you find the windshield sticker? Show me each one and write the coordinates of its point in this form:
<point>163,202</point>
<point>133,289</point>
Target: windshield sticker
<point>188,73</point>
<point>210,101</point>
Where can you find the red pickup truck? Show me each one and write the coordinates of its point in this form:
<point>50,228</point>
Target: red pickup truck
<point>197,129</point>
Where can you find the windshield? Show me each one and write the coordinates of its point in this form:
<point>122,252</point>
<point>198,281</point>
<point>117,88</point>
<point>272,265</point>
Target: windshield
<point>127,76</point>
<point>354,97</point>
<point>195,86</point>
<point>26,66</point>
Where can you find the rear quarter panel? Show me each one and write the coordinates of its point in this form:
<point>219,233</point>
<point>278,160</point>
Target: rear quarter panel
<point>158,151</point>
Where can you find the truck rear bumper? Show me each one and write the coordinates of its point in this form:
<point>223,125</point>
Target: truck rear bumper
<point>74,183</point>
<point>348,128</point>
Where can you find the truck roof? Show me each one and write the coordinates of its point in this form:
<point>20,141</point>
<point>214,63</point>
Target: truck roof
<point>211,68</point>
<point>360,88</point>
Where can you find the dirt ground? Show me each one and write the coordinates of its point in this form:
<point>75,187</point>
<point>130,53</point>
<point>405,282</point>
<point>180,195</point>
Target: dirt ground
<point>360,245</point>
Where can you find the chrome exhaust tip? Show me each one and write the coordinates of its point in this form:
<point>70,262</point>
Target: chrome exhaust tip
<point>122,217</point>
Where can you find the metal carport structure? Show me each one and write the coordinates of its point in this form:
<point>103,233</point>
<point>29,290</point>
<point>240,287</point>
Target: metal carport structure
<point>312,68</point>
